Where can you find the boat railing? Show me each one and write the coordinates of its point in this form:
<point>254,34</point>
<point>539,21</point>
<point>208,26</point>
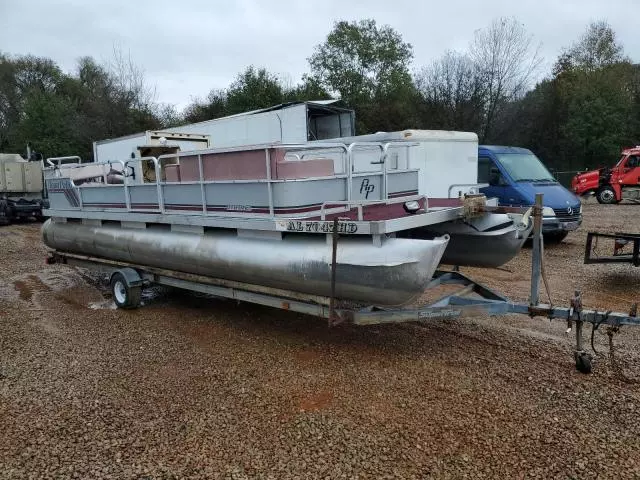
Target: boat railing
<point>144,184</point>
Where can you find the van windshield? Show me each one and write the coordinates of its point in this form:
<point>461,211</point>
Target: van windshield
<point>525,167</point>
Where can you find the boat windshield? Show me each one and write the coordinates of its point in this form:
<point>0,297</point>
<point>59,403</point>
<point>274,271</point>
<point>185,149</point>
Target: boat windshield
<point>525,167</point>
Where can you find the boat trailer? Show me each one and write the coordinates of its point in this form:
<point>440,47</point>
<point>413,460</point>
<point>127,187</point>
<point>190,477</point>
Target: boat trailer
<point>469,298</point>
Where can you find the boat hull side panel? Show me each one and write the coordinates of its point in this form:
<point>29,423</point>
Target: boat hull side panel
<point>391,274</point>
<point>488,242</point>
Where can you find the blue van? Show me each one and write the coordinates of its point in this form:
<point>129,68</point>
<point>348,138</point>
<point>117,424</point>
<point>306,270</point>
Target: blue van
<point>515,175</point>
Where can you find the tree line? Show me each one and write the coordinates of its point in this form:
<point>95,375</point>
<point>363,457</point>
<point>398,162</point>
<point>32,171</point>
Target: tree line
<point>578,115</point>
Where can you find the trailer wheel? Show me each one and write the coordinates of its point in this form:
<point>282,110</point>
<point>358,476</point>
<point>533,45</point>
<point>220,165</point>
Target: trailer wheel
<point>606,195</point>
<point>125,295</point>
<point>583,362</point>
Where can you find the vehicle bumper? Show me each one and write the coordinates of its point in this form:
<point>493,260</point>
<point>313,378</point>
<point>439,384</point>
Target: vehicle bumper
<point>22,209</point>
<point>555,225</point>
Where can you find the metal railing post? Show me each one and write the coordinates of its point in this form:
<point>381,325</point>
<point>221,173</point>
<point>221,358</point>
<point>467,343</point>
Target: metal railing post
<point>159,189</point>
<point>536,256</point>
<point>203,195</point>
<point>269,181</point>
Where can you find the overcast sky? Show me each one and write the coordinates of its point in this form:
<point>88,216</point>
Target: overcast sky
<point>188,47</point>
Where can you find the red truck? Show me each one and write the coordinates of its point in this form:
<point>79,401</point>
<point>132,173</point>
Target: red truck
<point>611,185</point>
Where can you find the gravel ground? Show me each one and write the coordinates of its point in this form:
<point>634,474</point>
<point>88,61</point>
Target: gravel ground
<point>190,387</point>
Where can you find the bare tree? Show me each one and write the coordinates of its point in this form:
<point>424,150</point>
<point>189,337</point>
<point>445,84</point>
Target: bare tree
<point>506,60</point>
<point>598,47</point>
<point>452,85</point>
<point>130,81</point>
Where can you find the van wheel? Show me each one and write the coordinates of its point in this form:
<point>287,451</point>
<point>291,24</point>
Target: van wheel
<point>552,238</point>
<point>606,195</point>
<point>125,295</point>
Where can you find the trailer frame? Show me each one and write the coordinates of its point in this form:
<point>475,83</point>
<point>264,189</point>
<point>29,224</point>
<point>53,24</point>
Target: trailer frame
<point>470,298</point>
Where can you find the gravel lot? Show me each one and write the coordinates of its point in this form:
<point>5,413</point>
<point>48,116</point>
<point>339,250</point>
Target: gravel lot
<point>189,387</point>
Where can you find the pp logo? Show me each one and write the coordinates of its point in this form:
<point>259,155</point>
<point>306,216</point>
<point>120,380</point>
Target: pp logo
<point>366,187</point>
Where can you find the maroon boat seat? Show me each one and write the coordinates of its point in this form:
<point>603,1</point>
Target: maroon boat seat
<point>316,167</point>
<point>172,172</point>
<point>247,165</point>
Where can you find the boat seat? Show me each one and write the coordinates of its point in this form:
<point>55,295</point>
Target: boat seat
<point>247,165</point>
<point>172,172</point>
<point>87,172</point>
<point>316,167</point>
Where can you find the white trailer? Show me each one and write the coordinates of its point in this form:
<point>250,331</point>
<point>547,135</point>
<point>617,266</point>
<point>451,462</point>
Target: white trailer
<point>293,123</point>
<point>448,161</point>
<point>297,122</point>
<point>147,143</point>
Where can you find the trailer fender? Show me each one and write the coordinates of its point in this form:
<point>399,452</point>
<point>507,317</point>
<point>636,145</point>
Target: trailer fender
<point>131,276</point>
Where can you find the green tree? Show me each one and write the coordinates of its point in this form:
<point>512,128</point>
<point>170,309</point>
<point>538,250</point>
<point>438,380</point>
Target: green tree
<point>50,124</point>
<point>600,112</point>
<point>214,106</point>
<point>598,47</point>
<point>253,89</point>
<point>20,79</point>
<point>309,89</point>
<point>366,64</point>
<point>597,83</point>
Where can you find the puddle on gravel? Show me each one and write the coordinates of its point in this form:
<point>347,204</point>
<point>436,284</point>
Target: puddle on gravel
<point>32,284</point>
<point>103,305</point>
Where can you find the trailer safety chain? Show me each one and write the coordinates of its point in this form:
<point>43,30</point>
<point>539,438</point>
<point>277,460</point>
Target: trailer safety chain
<point>595,326</point>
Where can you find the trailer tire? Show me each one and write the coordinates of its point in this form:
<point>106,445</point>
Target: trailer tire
<point>606,195</point>
<point>125,295</point>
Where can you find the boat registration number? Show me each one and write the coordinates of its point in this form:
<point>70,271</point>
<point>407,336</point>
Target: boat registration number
<point>315,227</point>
